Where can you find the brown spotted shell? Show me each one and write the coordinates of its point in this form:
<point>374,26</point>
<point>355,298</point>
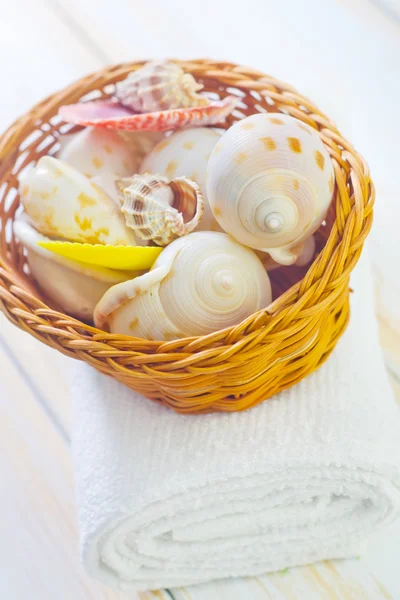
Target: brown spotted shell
<point>269,184</point>
<point>62,203</point>
<point>158,209</point>
<point>159,85</point>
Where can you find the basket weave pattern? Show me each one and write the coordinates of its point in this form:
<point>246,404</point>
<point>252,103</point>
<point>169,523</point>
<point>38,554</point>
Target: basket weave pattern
<point>232,369</point>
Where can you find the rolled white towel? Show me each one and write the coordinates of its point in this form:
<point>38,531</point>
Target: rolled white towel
<point>166,500</point>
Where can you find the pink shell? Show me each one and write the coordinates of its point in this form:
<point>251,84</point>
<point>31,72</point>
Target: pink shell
<point>113,115</point>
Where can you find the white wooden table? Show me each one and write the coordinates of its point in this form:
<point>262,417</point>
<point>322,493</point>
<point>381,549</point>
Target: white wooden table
<point>345,55</point>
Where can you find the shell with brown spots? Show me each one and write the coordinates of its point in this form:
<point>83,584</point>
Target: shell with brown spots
<point>294,145</point>
<point>319,159</point>
<point>171,169</point>
<point>269,143</point>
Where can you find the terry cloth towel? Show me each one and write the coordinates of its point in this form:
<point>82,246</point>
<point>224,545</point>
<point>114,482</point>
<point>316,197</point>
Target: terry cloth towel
<point>166,500</point>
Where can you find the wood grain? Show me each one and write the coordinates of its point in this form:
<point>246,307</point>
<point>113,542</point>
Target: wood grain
<point>64,39</point>
<point>37,498</point>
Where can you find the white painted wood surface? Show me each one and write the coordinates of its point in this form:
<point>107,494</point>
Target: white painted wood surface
<point>343,54</point>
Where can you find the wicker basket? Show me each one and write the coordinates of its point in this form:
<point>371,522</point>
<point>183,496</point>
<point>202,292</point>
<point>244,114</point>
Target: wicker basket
<point>232,369</point>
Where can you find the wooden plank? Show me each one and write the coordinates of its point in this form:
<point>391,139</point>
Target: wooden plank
<point>44,371</point>
<point>338,580</point>
<point>390,8</point>
<point>40,54</point>
<point>40,555</point>
<point>40,550</point>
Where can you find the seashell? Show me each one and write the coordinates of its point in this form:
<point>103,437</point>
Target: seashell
<point>94,151</point>
<point>121,258</point>
<point>186,152</point>
<point>107,182</point>
<point>141,143</point>
<point>307,253</point>
<point>158,209</point>
<point>199,284</point>
<point>74,287</point>
<point>62,203</point>
<point>304,258</point>
<point>112,115</point>
<point>159,85</point>
<point>269,184</point>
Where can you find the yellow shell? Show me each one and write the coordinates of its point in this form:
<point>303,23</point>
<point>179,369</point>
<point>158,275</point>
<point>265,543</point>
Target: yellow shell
<point>74,286</point>
<point>124,258</point>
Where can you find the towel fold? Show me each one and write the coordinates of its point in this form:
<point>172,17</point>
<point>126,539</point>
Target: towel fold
<point>166,500</point>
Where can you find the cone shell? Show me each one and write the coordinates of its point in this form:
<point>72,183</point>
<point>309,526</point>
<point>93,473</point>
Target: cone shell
<point>159,85</point>
<point>158,209</point>
<point>186,153</point>
<point>62,203</point>
<point>199,284</point>
<point>269,184</point>
<point>74,287</point>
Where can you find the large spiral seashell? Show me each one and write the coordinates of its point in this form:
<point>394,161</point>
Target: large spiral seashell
<point>270,182</point>
<point>199,284</point>
<point>158,209</point>
<point>159,85</point>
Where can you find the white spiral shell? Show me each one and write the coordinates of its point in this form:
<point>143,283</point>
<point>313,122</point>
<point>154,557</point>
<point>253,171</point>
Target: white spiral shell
<point>158,209</point>
<point>270,182</point>
<point>186,153</point>
<point>199,284</point>
<point>159,85</point>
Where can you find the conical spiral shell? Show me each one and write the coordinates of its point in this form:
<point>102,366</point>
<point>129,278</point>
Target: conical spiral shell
<point>160,85</point>
<point>158,209</point>
<point>269,184</point>
<point>199,284</point>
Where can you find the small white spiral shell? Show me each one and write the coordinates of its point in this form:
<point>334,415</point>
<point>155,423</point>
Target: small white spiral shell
<point>270,181</point>
<point>199,284</point>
